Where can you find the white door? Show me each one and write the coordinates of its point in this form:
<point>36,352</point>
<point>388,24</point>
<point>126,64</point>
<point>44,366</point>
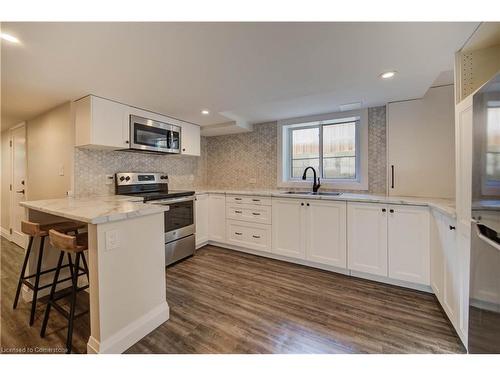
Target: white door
<point>217,217</point>
<point>326,232</point>
<point>452,287</point>
<point>18,181</point>
<point>367,238</point>
<point>409,244</point>
<point>201,214</point>
<point>438,238</point>
<point>190,139</point>
<point>288,228</point>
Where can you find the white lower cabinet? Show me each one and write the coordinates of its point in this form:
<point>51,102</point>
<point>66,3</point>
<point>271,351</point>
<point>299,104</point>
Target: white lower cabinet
<point>217,217</point>
<point>367,238</point>
<point>409,243</point>
<point>389,240</point>
<point>201,219</point>
<point>312,230</point>
<point>249,235</point>
<point>326,236</point>
<point>288,228</point>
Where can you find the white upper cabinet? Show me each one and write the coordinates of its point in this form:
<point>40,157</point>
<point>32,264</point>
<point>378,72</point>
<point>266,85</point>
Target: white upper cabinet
<point>367,238</point>
<point>190,139</point>
<point>101,123</point>
<point>326,232</point>
<point>217,217</point>
<point>105,124</point>
<point>409,243</point>
<point>288,228</point>
<point>201,215</point>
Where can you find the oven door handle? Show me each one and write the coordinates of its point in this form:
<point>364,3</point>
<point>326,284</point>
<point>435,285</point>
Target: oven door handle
<point>173,200</point>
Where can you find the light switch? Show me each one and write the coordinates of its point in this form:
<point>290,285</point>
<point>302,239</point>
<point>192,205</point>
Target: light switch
<point>112,239</point>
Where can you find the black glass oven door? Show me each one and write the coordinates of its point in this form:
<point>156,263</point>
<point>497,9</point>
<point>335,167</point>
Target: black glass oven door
<point>180,215</point>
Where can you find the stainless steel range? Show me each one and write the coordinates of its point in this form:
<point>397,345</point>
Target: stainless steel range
<point>179,219</point>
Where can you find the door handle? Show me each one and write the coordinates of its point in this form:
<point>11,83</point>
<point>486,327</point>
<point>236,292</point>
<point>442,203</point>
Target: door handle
<point>20,191</point>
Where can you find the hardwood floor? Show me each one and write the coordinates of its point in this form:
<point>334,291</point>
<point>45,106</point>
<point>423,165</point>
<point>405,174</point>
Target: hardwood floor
<point>223,301</point>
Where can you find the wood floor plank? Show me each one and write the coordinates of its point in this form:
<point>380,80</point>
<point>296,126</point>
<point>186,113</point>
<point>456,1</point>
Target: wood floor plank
<point>223,301</point>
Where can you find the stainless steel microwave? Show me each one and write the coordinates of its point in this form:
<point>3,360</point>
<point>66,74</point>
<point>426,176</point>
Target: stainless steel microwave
<point>155,136</point>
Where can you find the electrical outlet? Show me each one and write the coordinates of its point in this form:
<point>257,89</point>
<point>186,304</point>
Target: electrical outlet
<point>112,239</point>
<point>109,179</point>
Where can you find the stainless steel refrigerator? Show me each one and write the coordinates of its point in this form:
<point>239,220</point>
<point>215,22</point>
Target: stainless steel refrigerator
<point>484,293</point>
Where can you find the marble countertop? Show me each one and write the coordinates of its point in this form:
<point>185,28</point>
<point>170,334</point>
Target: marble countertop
<point>445,206</point>
<point>97,209</point>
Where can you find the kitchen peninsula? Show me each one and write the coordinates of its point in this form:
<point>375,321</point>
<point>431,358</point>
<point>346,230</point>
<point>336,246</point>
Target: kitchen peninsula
<point>125,239</point>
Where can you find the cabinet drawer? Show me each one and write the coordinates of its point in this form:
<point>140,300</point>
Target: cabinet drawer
<point>249,212</point>
<point>243,199</point>
<point>250,235</point>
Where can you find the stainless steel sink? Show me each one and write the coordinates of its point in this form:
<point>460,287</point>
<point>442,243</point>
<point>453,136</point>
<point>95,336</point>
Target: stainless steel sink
<point>330,193</point>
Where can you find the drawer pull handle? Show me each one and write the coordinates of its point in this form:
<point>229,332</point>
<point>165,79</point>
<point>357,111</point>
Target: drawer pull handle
<point>255,213</point>
<point>237,212</point>
<point>238,233</point>
<point>255,200</point>
<point>237,199</point>
<point>256,236</point>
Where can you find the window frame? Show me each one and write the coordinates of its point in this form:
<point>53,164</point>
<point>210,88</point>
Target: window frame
<point>285,130</point>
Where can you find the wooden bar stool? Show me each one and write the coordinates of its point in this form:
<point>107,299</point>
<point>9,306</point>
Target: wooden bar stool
<point>38,230</point>
<point>67,245</point>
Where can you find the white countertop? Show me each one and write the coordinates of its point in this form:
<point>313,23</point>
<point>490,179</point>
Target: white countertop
<point>97,209</point>
<point>445,206</point>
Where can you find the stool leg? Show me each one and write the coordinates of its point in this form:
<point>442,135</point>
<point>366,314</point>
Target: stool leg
<point>37,281</point>
<point>70,262</point>
<point>73,304</point>
<point>51,296</point>
<point>85,266</point>
<point>23,271</point>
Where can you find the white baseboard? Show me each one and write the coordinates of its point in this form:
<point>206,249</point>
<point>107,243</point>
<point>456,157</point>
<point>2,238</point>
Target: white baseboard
<point>133,332</point>
<point>343,271</point>
<point>5,234</point>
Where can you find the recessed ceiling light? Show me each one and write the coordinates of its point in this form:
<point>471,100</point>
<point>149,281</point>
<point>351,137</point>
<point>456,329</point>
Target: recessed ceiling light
<point>9,38</point>
<point>205,112</point>
<point>388,75</point>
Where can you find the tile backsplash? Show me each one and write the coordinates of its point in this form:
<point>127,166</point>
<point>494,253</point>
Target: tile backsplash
<point>237,161</point>
<point>92,166</point>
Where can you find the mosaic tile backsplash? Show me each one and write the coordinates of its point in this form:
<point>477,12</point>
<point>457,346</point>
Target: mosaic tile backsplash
<point>237,161</point>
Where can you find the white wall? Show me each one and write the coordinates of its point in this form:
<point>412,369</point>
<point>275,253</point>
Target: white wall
<point>421,145</point>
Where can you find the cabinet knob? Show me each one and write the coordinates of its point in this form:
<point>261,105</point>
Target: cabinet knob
<point>391,211</point>
<point>452,227</point>
<point>383,210</point>
<point>302,204</point>
<point>183,149</point>
<point>308,204</point>
<point>127,142</point>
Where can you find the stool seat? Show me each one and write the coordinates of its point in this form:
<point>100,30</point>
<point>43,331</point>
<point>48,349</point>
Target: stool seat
<point>65,242</point>
<point>42,230</point>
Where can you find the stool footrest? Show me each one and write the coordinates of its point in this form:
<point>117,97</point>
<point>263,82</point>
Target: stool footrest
<point>64,313</point>
<point>44,272</point>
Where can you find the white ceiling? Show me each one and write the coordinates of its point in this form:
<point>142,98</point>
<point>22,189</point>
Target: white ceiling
<point>247,71</point>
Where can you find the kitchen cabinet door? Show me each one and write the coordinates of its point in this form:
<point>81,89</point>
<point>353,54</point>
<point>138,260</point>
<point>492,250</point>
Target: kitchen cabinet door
<point>101,123</point>
<point>326,232</point>
<point>409,243</point>
<point>201,211</point>
<point>438,238</point>
<point>288,228</point>
<point>367,238</point>
<point>217,217</point>
<point>452,276</point>
<point>190,139</point>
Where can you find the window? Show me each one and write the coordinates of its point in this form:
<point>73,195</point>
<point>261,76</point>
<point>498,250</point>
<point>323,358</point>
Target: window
<point>335,145</point>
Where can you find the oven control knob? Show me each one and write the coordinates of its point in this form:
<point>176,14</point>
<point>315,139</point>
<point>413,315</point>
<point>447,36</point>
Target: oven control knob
<point>127,178</point>
<point>122,178</point>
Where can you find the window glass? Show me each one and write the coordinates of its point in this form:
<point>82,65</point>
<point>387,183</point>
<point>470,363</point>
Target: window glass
<point>339,151</point>
<point>304,150</point>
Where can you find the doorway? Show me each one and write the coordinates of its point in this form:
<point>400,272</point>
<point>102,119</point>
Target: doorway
<point>18,186</point>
